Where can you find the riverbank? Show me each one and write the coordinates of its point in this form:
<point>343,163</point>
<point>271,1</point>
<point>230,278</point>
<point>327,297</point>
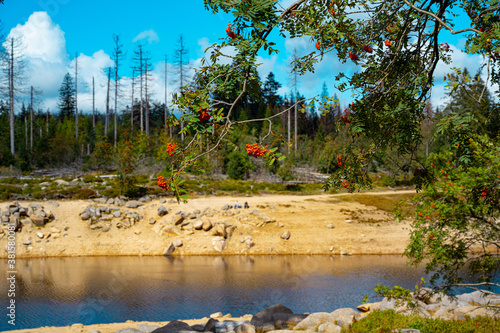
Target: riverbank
<point>274,224</point>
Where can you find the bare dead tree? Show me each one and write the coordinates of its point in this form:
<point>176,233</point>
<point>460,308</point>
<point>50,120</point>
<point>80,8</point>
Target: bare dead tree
<point>181,68</point>
<point>93,103</point>
<point>118,56</point>
<point>106,121</point>
<point>132,105</point>
<point>76,95</point>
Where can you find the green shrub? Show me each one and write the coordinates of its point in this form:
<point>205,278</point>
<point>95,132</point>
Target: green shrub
<point>238,165</point>
<point>84,193</point>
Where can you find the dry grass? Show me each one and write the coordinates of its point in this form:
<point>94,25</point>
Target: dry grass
<point>384,202</point>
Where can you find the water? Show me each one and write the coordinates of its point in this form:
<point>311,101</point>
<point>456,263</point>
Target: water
<point>90,290</point>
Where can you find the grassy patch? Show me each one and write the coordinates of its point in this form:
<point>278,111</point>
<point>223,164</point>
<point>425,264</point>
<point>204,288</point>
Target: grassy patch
<point>388,321</point>
<point>384,202</point>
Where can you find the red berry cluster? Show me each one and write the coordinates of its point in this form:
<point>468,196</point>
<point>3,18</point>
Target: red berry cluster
<point>171,147</point>
<point>353,56</point>
<point>367,48</point>
<point>230,32</point>
<point>255,151</point>
<point>388,43</point>
<point>161,183</point>
<point>204,116</point>
<point>345,183</point>
<point>318,45</point>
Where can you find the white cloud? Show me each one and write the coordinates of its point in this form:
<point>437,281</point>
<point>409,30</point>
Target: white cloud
<point>149,35</point>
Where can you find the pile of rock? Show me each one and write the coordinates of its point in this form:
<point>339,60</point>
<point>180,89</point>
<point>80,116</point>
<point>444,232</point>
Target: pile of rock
<point>281,319</point>
<point>102,217</point>
<point>19,216</point>
<point>441,306</point>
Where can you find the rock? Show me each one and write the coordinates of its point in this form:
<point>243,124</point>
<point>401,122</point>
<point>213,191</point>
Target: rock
<point>207,225</point>
<point>255,212</point>
<point>330,226</point>
<point>128,330</point>
<point>329,328</point>
<point>178,243</point>
<point>152,220</point>
<point>210,325</point>
<point>314,320</point>
<point>27,222</point>
<point>219,243</point>
<point>134,204</point>
<point>344,317</point>
<point>162,200</point>
<point>249,242</point>
<point>387,304</point>
<point>169,249</point>
<point>146,328</point>
<point>198,224</point>
<point>216,315</point>
<point>173,327</point>
<point>226,207</point>
<point>162,211</point>
<point>283,320</point>
<point>119,202</point>
<point>177,219</point>
<point>107,217</point>
<point>244,328</point>
<point>263,320</point>
<point>168,231</point>
<point>28,242</point>
<point>61,182</point>
<point>94,331</point>
<point>38,219</point>
<point>106,228</point>
<point>39,234</point>
<point>219,230</point>
<point>285,235</point>
<point>117,213</point>
<point>100,200</point>
<point>198,327</point>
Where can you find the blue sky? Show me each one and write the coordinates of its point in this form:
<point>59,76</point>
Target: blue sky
<point>55,30</point>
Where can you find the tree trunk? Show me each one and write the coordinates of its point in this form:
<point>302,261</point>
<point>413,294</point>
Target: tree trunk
<point>146,96</point>
<point>140,73</point>
<point>93,103</point>
<point>132,106</point>
<point>11,98</point>
<point>116,99</point>
<point>31,121</point>
<point>76,95</point>
<point>107,105</point>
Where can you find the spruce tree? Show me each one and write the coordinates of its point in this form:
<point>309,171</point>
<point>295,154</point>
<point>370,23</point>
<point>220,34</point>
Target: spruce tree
<point>66,98</point>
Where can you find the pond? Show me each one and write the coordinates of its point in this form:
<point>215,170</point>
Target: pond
<point>90,290</point>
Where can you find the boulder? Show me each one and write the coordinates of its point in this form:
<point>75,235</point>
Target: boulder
<point>162,211</point>
<point>61,182</point>
<point>314,320</point>
<point>177,219</point>
<point>219,230</point>
<point>178,243</point>
<point>207,225</point>
<point>329,328</point>
<point>263,320</point>
<point>169,249</point>
<point>128,330</point>
<point>162,200</point>
<point>198,224</point>
<point>283,320</point>
<point>110,201</point>
<point>244,328</point>
<point>345,316</point>
<point>38,219</point>
<point>219,243</point>
<point>116,213</point>
<point>387,304</point>
<point>134,204</point>
<point>173,327</point>
<point>147,328</point>
<point>285,235</point>
<point>210,325</point>
<point>226,207</point>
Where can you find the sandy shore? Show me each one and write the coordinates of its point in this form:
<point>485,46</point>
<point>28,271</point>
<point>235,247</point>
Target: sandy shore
<point>316,224</point>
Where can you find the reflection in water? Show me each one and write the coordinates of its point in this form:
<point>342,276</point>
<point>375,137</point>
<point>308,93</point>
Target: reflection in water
<point>63,291</point>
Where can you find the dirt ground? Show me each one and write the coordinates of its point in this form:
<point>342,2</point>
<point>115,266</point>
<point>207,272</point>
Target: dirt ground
<point>318,224</point>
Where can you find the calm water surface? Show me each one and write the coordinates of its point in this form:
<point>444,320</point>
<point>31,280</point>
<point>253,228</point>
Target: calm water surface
<point>64,291</point>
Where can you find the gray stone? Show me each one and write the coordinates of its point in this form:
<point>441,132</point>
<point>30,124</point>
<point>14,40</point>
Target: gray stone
<point>284,320</point>
<point>107,217</point>
<point>162,211</point>
<point>249,242</point>
<point>272,207</point>
<point>94,331</point>
<point>244,328</point>
<point>61,182</point>
<point>162,200</point>
<point>119,202</point>
<point>220,230</point>
<point>128,330</point>
<point>100,200</point>
<point>216,315</point>
<point>38,219</point>
<point>152,220</point>
<point>285,235</point>
<point>314,320</point>
<point>146,328</point>
<point>255,212</point>
<point>387,304</point>
<point>196,212</point>
<point>35,206</point>
<point>28,242</point>
<point>210,325</point>
<point>198,327</point>
<point>329,328</point>
<point>178,243</point>
<point>263,320</point>
<point>169,249</point>
<point>110,201</point>
<point>116,213</point>
<point>106,228</point>
<point>173,327</point>
<point>226,207</point>
<point>134,204</point>
<point>345,316</point>
<point>330,226</point>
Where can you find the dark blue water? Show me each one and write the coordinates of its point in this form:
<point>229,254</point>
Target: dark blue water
<point>64,291</point>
